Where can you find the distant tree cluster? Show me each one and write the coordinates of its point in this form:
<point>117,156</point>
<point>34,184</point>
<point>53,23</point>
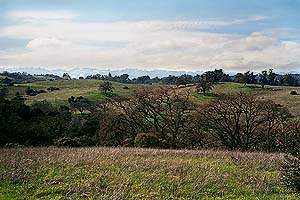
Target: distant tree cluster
<point>18,77</point>
<point>185,79</point>
<point>267,78</point>
<point>263,78</point>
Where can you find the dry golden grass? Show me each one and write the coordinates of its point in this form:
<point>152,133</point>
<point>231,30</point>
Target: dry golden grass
<point>132,173</point>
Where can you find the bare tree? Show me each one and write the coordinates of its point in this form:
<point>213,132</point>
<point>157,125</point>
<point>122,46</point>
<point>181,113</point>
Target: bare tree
<point>274,115</point>
<point>165,112</point>
<point>241,121</point>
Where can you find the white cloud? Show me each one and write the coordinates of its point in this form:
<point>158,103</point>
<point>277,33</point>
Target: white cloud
<point>46,43</point>
<point>155,44</point>
<point>33,15</point>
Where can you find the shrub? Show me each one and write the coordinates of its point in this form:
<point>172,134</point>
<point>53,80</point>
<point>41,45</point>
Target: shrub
<point>125,87</point>
<point>290,173</point>
<point>31,92</point>
<point>13,145</point>
<point>293,92</point>
<point>288,137</point>
<point>289,141</point>
<point>128,142</point>
<point>76,141</point>
<point>146,140</point>
<point>42,91</point>
<point>52,88</point>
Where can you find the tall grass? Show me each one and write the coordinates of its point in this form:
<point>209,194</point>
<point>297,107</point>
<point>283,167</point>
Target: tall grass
<point>133,173</point>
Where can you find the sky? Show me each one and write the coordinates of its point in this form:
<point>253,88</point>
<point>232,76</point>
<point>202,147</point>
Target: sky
<point>192,35</point>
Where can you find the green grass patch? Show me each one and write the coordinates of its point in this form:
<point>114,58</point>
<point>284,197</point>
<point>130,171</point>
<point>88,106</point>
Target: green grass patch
<point>207,96</point>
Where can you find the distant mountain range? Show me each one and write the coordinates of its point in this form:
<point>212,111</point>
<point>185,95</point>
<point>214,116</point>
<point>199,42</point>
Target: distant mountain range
<point>132,72</point>
<point>77,72</point>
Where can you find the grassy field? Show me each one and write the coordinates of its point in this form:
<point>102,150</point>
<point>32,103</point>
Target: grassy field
<point>129,173</point>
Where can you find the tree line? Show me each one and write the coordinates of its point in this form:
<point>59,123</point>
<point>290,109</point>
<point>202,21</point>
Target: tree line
<point>264,78</point>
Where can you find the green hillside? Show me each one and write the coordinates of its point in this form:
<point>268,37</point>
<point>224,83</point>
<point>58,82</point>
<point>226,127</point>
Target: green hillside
<point>86,88</point>
<point>90,89</point>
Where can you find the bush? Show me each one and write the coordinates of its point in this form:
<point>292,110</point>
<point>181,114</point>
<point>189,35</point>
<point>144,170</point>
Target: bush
<point>52,88</point>
<point>289,142</point>
<point>293,92</point>
<point>146,140</point>
<point>125,87</point>
<point>31,92</point>
<point>290,173</point>
<point>128,142</point>
<point>288,137</point>
<point>13,145</point>
<point>75,142</point>
<point>42,91</point>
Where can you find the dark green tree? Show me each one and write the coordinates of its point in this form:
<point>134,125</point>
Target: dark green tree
<point>3,92</point>
<point>246,78</point>
<point>263,79</point>
<point>106,86</point>
<point>203,84</point>
<point>289,79</point>
<point>271,77</point>
<point>184,79</point>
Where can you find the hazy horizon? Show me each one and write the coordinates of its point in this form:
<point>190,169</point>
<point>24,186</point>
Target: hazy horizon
<point>173,35</point>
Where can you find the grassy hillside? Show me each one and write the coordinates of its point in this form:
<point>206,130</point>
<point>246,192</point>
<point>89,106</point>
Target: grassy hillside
<point>86,88</point>
<point>90,89</point>
<point>125,173</point>
<point>279,94</point>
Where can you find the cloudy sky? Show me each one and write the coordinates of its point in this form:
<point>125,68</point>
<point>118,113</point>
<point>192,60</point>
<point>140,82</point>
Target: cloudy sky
<point>192,35</point>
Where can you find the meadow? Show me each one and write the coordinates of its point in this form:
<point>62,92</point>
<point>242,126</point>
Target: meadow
<point>134,173</point>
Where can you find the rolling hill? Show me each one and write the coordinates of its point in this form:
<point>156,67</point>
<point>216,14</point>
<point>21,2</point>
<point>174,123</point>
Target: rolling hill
<point>90,89</point>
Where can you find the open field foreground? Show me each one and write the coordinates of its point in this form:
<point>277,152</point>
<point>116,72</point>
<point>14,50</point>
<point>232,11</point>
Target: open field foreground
<point>132,173</point>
